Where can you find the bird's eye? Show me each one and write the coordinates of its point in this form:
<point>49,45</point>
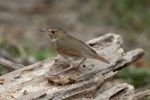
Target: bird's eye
<point>53,31</point>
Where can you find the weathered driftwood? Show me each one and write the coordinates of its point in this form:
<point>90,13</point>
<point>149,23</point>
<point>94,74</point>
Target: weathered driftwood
<point>30,83</point>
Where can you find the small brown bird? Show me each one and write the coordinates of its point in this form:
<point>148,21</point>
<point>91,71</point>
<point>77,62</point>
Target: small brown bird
<point>69,46</point>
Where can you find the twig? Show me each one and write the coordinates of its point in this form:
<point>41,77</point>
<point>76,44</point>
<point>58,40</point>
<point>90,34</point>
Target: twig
<point>11,66</point>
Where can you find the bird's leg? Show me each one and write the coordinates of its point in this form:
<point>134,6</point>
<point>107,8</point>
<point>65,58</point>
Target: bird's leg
<point>67,69</point>
<point>77,67</point>
<point>63,71</point>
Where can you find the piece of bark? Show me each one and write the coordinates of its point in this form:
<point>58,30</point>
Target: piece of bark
<point>30,82</point>
<point>118,92</point>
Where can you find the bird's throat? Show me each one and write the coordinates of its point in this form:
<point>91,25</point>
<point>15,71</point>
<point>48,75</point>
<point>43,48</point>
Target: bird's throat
<point>53,40</point>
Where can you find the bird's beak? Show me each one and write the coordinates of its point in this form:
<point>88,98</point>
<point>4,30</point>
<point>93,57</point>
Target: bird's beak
<point>43,30</point>
<point>46,30</point>
<point>49,30</point>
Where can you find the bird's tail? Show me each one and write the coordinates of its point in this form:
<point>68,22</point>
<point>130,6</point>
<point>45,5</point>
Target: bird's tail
<point>98,57</point>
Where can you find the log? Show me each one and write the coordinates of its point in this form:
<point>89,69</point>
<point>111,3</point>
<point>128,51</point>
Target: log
<point>31,83</point>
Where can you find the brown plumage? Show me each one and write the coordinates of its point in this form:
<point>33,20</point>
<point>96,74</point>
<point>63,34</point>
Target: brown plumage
<point>69,46</point>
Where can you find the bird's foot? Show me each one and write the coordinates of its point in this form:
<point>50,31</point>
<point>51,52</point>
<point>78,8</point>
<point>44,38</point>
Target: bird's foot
<point>75,67</point>
<point>61,72</point>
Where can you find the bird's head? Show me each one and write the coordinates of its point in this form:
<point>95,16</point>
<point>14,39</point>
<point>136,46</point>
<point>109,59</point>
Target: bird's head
<point>56,33</point>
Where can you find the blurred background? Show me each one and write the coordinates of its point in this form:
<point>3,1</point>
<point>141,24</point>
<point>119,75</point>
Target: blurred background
<point>22,42</point>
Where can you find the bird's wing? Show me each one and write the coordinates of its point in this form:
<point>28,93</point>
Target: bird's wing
<point>71,46</point>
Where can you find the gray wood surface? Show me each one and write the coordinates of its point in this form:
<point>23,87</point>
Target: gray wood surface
<point>31,83</point>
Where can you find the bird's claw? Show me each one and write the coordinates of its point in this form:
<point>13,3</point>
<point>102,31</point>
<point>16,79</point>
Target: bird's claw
<point>50,75</point>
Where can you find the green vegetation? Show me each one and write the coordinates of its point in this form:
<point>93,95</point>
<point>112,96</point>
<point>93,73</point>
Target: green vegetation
<point>43,54</point>
<point>132,15</point>
<point>2,70</point>
<point>136,76</point>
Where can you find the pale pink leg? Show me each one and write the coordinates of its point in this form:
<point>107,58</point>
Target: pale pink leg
<point>63,71</point>
<point>67,69</point>
<point>77,67</point>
